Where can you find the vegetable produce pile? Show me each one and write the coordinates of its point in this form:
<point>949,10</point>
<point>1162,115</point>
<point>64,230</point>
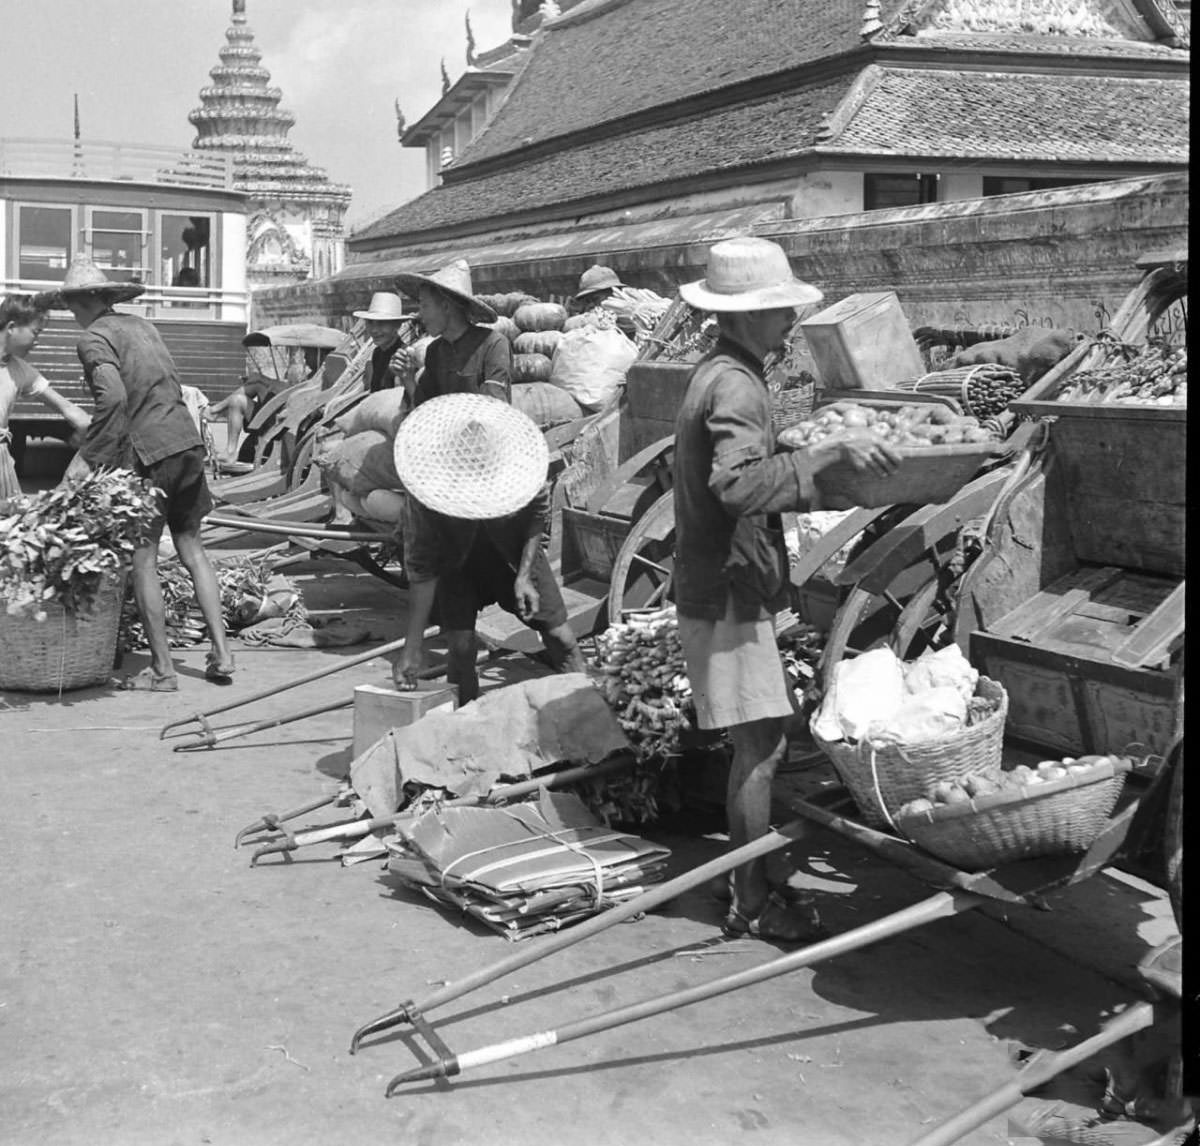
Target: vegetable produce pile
<point>983,391</point>
<point>915,424</point>
<point>246,587</point>
<point>645,680</point>
<point>1022,777</point>
<point>55,547</point>
<point>1156,375</point>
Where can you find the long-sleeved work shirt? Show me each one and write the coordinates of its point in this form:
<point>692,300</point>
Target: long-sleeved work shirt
<point>730,486</point>
<point>135,387</point>
<point>479,355</point>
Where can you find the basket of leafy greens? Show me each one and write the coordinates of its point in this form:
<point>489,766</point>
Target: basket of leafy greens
<point>64,555</point>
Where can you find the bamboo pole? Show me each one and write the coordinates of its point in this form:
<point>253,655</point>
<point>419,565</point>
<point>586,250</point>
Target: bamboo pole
<point>1040,1069</point>
<point>652,898</point>
<point>938,906</point>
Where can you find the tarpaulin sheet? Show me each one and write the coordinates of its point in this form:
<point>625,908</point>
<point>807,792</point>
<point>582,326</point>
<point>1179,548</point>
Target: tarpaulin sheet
<point>506,735</point>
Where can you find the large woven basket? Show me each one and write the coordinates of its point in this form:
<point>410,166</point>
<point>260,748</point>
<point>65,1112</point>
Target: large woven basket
<point>1054,818</point>
<point>791,406</point>
<point>897,774</point>
<point>65,651</point>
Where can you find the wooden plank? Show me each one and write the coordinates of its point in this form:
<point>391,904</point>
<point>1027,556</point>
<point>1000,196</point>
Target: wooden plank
<point>1150,641</point>
<point>1033,618</point>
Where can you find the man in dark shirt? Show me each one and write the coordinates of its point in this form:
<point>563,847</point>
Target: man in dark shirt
<point>383,319</point>
<point>465,357</point>
<point>141,421</point>
<point>478,508</point>
<point>731,562</point>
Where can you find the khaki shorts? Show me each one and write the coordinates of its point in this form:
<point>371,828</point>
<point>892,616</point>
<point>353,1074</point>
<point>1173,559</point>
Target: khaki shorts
<point>735,671</point>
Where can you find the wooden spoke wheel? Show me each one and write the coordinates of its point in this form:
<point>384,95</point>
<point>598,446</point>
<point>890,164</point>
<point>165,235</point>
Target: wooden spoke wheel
<point>901,586</point>
<point>644,569</point>
<point>636,483</point>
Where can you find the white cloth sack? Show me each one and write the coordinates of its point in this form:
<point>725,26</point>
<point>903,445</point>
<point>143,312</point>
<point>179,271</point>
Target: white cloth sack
<point>591,364</point>
<point>864,690</point>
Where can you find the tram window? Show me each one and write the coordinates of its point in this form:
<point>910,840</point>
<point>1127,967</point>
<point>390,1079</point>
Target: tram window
<point>185,251</point>
<point>43,242</point>
<point>118,244</point>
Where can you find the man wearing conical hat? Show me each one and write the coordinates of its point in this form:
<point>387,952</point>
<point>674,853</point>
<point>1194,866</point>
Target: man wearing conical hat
<point>478,509</point>
<point>731,567</point>
<point>466,356</point>
<point>142,421</point>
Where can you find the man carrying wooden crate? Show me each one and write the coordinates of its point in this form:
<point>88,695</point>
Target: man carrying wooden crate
<point>731,570</point>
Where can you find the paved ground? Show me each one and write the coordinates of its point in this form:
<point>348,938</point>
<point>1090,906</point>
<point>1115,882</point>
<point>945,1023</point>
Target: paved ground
<point>154,989</point>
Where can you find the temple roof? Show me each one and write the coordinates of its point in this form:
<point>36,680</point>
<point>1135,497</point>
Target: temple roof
<point>239,114</point>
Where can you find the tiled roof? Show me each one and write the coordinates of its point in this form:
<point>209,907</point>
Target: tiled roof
<point>602,61</point>
<point>753,133</point>
<point>1042,45</point>
<point>1066,117</point>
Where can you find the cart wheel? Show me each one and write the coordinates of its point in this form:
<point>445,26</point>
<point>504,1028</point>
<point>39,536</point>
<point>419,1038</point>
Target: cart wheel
<point>635,485</point>
<point>902,591</point>
<point>645,564</point>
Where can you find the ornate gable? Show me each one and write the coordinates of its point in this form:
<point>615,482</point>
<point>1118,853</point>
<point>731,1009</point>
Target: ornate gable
<point>1097,19</point>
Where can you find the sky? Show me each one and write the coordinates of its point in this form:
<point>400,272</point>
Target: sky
<point>139,65</point>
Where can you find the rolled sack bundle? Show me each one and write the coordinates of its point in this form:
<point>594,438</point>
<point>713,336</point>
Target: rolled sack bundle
<point>1031,352</point>
<point>548,405</point>
<point>361,463</point>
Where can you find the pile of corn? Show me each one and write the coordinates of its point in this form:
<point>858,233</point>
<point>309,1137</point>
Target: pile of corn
<point>645,680</point>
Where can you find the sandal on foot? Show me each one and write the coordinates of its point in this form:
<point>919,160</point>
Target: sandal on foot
<point>777,922</point>
<point>218,670</point>
<point>148,681</point>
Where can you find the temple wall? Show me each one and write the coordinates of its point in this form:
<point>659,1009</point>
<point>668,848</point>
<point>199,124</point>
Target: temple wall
<point>1060,257</point>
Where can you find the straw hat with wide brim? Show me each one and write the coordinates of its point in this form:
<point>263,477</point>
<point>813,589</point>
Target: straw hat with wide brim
<point>84,277</point>
<point>454,280</point>
<point>471,457</point>
<point>748,274</point>
<point>597,278</point>
<point>385,306</point>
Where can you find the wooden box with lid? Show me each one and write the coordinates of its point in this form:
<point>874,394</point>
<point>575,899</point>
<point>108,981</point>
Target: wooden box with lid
<point>863,343</point>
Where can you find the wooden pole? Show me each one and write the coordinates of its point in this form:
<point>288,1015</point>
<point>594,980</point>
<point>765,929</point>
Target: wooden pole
<point>938,906</point>
<point>762,846</point>
<point>1040,1069</point>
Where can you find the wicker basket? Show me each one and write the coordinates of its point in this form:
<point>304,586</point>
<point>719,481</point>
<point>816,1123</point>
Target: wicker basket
<point>65,651</point>
<point>791,406</point>
<point>902,773</point>
<point>926,475</point>
<point>1054,818</point>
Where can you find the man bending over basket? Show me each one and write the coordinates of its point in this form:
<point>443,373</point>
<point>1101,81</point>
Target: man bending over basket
<point>141,421</point>
<point>478,504</point>
<point>731,569</point>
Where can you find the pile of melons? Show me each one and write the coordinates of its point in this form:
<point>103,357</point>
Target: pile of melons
<point>915,424</point>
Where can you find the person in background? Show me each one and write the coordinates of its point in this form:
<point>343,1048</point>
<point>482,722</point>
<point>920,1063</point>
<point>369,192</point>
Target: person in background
<point>596,284</point>
<point>731,568</point>
<point>474,534</point>
<point>142,421</point>
<point>465,356</point>
<point>238,410</point>
<point>21,320</point>
<point>383,318</point>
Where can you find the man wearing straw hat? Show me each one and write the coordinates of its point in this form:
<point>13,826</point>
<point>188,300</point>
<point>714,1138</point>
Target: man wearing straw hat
<point>383,319</point>
<point>465,356</point>
<point>478,506</point>
<point>731,561</point>
<point>142,421</point>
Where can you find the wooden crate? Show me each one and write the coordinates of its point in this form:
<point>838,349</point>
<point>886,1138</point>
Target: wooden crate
<point>1087,662</point>
<point>653,394</point>
<point>863,342</point>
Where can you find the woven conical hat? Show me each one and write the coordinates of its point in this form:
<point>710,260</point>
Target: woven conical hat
<point>84,277</point>
<point>455,280</point>
<point>470,456</point>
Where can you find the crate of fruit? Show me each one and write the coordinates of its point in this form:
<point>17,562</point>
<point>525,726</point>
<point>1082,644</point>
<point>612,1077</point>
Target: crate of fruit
<point>940,451</point>
<point>980,822</point>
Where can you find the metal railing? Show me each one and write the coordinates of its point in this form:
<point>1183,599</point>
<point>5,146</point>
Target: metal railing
<point>99,161</point>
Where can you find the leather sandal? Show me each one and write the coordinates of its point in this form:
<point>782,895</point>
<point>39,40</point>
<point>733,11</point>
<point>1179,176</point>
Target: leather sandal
<point>217,670</point>
<point>148,681</point>
<point>777,922</point>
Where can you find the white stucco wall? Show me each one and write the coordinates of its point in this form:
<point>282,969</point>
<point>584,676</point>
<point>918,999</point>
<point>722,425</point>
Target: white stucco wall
<point>233,267</point>
<point>826,193</point>
<point>4,273</point>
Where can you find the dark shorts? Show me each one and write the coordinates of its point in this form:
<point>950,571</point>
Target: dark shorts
<point>184,499</point>
<point>485,578</point>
